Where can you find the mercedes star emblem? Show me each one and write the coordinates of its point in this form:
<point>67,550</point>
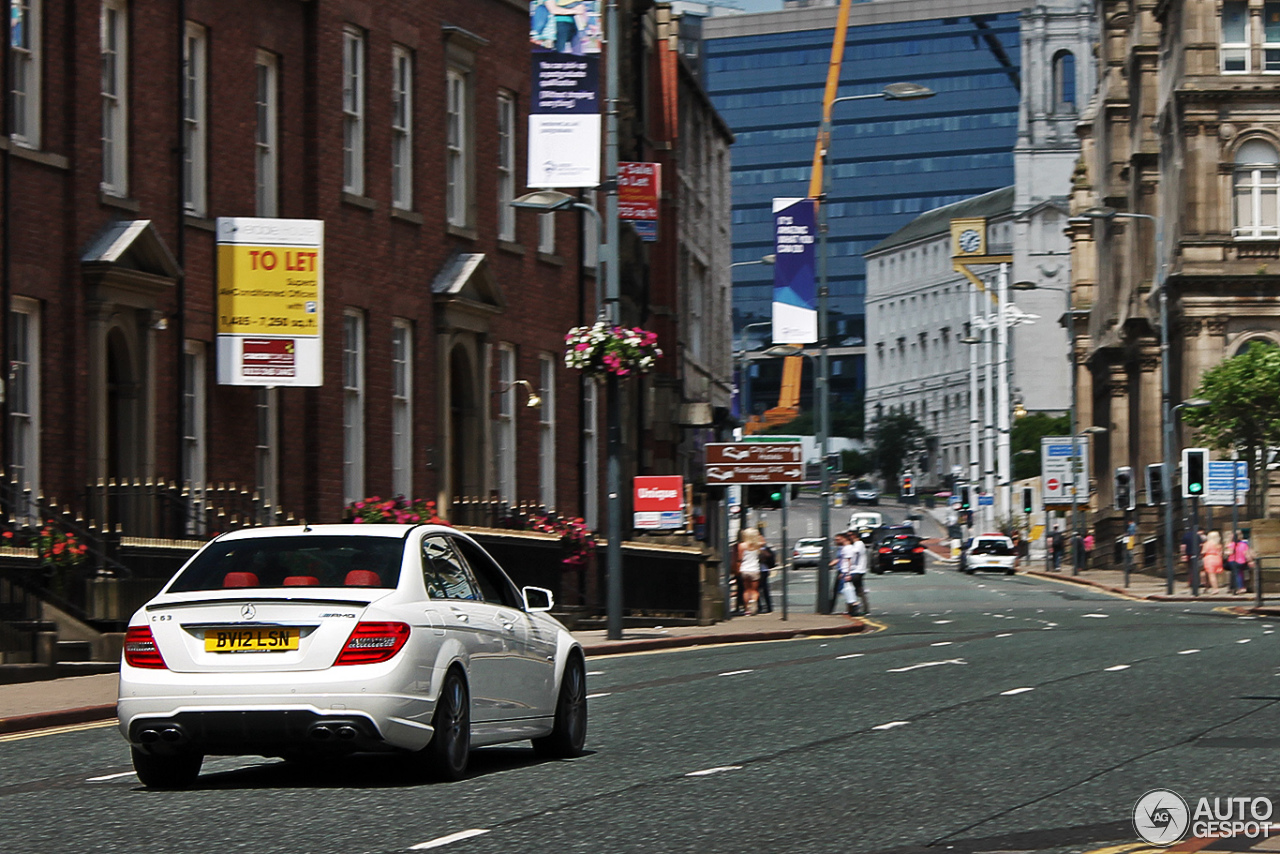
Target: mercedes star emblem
<point>248,611</point>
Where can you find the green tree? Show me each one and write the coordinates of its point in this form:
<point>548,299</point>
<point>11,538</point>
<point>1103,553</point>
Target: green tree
<point>1244,407</point>
<point>896,439</point>
<point>856,463</point>
<point>1026,434</point>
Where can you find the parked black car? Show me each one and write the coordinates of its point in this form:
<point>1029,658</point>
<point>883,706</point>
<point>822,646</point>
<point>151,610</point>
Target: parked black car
<point>899,551</point>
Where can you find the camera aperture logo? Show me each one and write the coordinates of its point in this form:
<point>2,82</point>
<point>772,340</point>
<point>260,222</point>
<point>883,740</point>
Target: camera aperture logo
<point>1161,817</point>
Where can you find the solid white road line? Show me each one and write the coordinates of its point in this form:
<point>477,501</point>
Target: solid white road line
<point>891,724</point>
<point>735,672</point>
<point>1013,691</point>
<point>1116,667</point>
<point>926,664</point>
<point>719,769</point>
<point>598,696</point>
<point>1188,651</point>
<point>106,777</point>
<point>445,840</point>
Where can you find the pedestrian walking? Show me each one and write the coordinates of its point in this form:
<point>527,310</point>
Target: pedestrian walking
<point>1237,560</point>
<point>1211,560</point>
<point>851,572</point>
<point>1058,545</point>
<point>1191,542</point>
<point>1088,548</point>
<point>768,560</point>
<point>749,568</point>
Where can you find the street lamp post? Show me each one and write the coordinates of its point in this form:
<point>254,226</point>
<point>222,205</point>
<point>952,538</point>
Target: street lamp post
<point>892,92</point>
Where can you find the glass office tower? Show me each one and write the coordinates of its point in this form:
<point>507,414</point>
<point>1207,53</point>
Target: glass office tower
<point>890,161</point>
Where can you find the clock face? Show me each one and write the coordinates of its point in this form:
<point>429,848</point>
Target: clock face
<point>970,240</point>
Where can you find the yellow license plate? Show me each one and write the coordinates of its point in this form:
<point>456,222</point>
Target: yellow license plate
<point>907,560</point>
<point>273,639</point>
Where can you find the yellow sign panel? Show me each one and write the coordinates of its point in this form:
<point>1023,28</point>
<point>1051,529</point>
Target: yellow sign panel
<point>269,290</point>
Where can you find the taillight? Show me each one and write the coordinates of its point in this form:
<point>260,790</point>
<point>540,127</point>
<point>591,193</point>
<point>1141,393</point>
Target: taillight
<point>373,642</point>
<point>885,550</point>
<point>918,549</point>
<point>140,649</point>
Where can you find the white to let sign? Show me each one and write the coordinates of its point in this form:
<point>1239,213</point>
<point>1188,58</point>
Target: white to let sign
<point>1062,474</point>
<point>270,310</point>
<point>1218,487</point>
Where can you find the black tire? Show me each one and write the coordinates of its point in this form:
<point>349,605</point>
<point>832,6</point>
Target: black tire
<point>968,572</point>
<point>1008,572</point>
<point>568,735</point>
<point>920,571</point>
<point>450,746</point>
<point>171,771</point>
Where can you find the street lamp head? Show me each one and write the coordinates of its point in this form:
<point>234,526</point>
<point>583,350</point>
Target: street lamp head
<point>1196,403</point>
<point>1094,430</point>
<point>544,200</point>
<point>970,339</point>
<point>907,92</point>
<point>768,259</point>
<point>1099,212</point>
<point>1024,286</point>
<point>784,350</point>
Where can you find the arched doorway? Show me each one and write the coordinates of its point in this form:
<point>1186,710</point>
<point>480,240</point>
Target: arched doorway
<point>466,429</point>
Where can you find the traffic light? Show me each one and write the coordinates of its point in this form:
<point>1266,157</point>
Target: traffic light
<point>908,487</point>
<point>1194,463</point>
<point>764,496</point>
<point>964,497</point>
<point>775,497</point>
<point>833,461</point>
<point>1027,503</point>
<point>1156,492</point>
<point>1124,488</point>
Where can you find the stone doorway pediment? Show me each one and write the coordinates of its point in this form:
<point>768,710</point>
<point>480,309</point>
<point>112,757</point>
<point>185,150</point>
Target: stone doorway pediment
<point>466,293</point>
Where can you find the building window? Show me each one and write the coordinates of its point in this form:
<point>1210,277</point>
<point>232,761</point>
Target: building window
<point>590,453</point>
<point>1235,37</point>
<point>401,407</point>
<point>401,129</point>
<point>24,396</point>
<point>352,406</point>
<point>266,138</point>
<point>504,432</point>
<point>1271,37</point>
<point>194,124</point>
<point>506,166</point>
<point>115,68</point>
<point>457,166</point>
<point>547,432</point>
<point>547,233</point>
<point>1256,183</point>
<point>24,44</point>
<point>1064,82</point>
<point>266,452</point>
<point>353,110</point>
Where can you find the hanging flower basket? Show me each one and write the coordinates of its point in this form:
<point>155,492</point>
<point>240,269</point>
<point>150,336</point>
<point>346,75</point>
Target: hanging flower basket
<point>605,349</point>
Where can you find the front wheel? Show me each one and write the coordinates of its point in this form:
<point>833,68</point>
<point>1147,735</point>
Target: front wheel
<point>172,771</point>
<point>569,733</point>
<point>450,746</point>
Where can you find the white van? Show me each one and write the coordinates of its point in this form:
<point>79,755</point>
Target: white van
<point>865,520</point>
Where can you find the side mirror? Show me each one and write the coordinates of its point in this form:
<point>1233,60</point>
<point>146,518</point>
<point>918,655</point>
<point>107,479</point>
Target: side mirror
<point>537,598</point>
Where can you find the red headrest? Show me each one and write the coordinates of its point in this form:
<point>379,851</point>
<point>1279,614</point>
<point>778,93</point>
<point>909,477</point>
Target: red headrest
<point>362,578</point>
<point>302,581</point>
<point>240,579</point>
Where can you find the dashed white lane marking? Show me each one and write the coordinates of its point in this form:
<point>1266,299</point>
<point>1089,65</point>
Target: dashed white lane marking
<point>1005,635</point>
<point>891,724</point>
<point>1187,651</point>
<point>595,672</point>
<point>926,664</point>
<point>1244,640</point>
<point>850,655</point>
<point>940,622</point>
<point>719,769</point>
<point>1097,616</point>
<point>735,672</point>
<point>445,840</point>
<point>598,696</point>
<point>1113,668</point>
<point>106,777</point>
<point>1013,691</point>
<point>941,643</point>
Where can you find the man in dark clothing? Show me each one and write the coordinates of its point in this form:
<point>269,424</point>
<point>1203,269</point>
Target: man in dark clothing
<point>1191,543</point>
<point>767,562</point>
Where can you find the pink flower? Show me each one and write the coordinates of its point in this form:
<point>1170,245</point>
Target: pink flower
<point>359,505</point>
<point>358,520</point>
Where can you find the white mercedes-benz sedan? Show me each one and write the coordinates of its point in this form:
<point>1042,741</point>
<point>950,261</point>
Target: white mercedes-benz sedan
<point>305,641</point>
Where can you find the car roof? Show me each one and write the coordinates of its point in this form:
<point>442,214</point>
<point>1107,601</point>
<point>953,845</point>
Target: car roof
<point>346,530</point>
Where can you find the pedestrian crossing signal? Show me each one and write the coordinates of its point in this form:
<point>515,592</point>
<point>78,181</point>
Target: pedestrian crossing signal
<point>1194,463</point>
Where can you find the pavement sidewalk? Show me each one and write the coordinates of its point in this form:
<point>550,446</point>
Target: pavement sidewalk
<point>28,706</point>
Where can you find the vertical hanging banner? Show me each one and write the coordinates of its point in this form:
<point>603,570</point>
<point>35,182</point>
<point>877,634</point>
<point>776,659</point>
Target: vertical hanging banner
<point>795,313</point>
<point>270,301</point>
<point>639,188</point>
<point>564,115</point>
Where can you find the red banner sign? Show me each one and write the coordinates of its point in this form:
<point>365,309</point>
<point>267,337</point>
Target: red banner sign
<point>638,187</point>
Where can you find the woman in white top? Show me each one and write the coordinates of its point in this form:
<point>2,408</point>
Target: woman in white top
<point>749,543</point>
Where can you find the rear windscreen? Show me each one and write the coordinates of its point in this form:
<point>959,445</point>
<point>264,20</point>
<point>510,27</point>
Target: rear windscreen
<point>305,561</point>
<point>992,547</point>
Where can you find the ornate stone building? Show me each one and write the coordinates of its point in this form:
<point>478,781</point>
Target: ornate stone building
<point>1185,131</point>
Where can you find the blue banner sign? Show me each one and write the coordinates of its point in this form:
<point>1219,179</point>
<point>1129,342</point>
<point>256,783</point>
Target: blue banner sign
<point>795,310</point>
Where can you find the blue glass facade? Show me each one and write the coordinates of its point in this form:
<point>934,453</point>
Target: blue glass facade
<point>890,160</point>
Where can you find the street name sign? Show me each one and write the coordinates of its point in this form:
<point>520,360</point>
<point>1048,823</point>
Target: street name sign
<point>1218,487</point>
<point>1058,477</point>
<point>754,462</point>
